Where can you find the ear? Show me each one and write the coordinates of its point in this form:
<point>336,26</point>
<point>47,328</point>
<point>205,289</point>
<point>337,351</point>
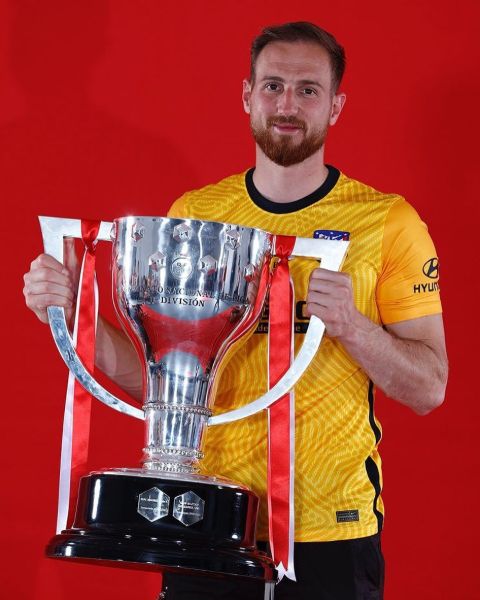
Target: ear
<point>246,93</point>
<point>338,102</point>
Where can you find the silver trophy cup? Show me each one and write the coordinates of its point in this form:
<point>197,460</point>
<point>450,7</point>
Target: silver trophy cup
<point>185,292</point>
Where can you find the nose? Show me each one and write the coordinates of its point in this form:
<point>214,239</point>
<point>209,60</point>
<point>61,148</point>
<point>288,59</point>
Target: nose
<point>287,104</point>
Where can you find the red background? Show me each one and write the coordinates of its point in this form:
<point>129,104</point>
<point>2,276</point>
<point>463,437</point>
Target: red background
<point>116,107</point>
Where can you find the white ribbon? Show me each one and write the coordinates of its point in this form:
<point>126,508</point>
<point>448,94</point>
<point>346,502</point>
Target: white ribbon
<point>67,432</point>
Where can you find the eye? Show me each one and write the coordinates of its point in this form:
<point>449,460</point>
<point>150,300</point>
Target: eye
<point>309,92</point>
<point>272,86</point>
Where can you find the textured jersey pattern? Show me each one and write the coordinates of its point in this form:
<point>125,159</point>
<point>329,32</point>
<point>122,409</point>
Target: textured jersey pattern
<point>337,468</point>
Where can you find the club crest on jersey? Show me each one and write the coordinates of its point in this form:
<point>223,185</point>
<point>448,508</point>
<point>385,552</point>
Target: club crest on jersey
<point>331,234</point>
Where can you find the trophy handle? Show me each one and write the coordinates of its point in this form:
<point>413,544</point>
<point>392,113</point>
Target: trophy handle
<point>331,253</point>
<point>53,231</point>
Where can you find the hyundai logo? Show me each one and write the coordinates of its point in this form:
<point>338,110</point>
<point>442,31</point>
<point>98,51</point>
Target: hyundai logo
<point>430,268</point>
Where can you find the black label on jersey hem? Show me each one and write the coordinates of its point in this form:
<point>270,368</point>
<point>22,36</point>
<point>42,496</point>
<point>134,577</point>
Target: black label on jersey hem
<point>346,516</point>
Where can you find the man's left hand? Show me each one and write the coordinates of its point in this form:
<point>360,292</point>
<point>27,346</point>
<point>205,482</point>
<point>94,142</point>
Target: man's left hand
<point>330,297</point>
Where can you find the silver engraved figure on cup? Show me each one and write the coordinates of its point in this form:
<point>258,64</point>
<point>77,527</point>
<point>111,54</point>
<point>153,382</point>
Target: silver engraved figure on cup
<point>184,291</point>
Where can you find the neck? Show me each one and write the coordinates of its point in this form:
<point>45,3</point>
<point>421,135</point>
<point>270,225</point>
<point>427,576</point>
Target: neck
<point>286,184</point>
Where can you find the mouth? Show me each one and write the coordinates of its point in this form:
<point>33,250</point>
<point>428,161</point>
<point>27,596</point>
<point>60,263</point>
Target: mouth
<point>287,127</point>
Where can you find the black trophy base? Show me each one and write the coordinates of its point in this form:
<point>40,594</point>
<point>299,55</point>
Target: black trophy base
<point>125,519</point>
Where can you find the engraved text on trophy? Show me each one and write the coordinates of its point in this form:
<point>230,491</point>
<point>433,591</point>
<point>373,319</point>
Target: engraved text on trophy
<point>153,504</point>
<point>188,508</point>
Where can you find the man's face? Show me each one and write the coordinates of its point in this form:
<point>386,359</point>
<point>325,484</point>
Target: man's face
<point>291,101</point>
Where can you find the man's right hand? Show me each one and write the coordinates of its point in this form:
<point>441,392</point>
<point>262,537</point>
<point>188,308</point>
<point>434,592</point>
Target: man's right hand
<point>49,283</point>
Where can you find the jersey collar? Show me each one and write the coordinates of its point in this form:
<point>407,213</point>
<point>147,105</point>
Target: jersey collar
<point>289,207</point>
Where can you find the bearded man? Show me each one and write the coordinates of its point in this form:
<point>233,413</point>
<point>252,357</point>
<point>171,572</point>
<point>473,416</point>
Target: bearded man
<point>384,328</point>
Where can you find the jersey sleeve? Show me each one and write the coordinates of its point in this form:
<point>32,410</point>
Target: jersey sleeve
<point>408,285</point>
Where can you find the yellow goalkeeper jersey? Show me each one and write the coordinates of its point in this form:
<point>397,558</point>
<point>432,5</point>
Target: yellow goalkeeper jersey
<point>394,270</point>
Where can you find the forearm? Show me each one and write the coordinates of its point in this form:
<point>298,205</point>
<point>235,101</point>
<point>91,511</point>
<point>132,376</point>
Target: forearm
<point>116,357</point>
<point>408,370</point>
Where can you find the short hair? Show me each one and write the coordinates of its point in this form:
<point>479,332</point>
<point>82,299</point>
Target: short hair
<point>301,31</point>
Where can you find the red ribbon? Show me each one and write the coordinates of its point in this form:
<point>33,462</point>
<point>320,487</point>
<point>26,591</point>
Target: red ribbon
<point>280,438</point>
<point>82,400</point>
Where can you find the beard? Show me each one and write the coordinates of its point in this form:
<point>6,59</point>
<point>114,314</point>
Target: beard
<point>283,150</point>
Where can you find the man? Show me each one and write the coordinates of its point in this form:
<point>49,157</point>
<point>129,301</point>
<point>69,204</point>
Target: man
<point>382,315</point>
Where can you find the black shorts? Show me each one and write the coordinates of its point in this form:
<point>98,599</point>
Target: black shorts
<point>343,570</point>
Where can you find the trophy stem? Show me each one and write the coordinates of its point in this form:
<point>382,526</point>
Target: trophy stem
<point>174,434</point>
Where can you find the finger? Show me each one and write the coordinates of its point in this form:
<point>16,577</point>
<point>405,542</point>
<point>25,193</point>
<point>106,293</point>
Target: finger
<point>327,286</point>
<point>39,305</point>
<point>48,275</point>
<point>318,310</point>
<point>321,299</point>
<point>40,288</point>
<point>339,286</point>
<point>40,302</point>
<point>327,275</point>
<point>340,292</point>
<point>46,261</point>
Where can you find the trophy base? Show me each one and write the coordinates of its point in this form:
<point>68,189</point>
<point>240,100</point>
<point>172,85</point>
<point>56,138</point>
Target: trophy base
<point>164,523</point>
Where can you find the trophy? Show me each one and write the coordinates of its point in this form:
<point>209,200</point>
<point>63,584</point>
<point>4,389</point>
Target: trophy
<point>185,291</point>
